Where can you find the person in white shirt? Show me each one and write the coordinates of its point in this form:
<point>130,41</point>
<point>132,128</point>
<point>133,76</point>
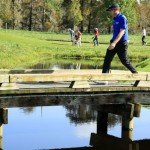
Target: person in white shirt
<point>72,34</point>
<point>143,36</point>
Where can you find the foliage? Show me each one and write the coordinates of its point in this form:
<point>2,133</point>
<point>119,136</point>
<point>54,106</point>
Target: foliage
<point>72,13</point>
<point>144,9</point>
<point>57,15</point>
<point>5,11</point>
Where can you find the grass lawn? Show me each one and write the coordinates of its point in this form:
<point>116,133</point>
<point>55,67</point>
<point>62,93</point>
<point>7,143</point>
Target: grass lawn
<point>22,49</point>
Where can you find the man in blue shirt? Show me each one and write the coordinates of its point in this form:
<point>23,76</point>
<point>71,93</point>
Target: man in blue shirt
<point>119,41</point>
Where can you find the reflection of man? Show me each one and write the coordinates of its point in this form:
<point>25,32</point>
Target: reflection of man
<point>118,43</point>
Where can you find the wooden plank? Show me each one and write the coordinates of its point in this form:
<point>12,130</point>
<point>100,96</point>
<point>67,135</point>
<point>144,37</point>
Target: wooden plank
<point>126,110</point>
<point>136,83</point>
<point>143,144</point>
<point>1,130</point>
<point>128,133</point>
<point>74,77</point>
<point>4,78</point>
<point>1,142</point>
<point>79,84</point>
<point>9,86</point>
<point>127,125</point>
<point>100,90</point>
<point>1,135</point>
<point>25,71</point>
<point>34,71</point>
<point>137,110</point>
<point>144,84</point>
<point>108,142</point>
<point>122,77</point>
<point>31,101</point>
<point>102,122</point>
<point>148,77</point>
<point>3,116</point>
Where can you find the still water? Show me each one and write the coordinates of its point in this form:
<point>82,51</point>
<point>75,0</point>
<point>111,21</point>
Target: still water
<point>38,125</point>
<point>78,64</point>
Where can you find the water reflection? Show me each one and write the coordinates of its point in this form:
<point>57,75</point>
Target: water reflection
<point>69,65</point>
<point>86,115</point>
<point>27,110</point>
<point>76,64</point>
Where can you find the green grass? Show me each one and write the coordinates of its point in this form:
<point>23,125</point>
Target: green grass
<point>22,49</point>
<point>144,65</point>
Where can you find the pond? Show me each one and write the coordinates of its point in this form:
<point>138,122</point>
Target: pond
<point>33,123</point>
<point>56,64</point>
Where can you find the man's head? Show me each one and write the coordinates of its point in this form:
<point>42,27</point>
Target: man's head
<point>113,9</point>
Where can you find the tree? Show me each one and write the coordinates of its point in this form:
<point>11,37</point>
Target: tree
<point>90,16</point>
<point>104,18</point>
<point>27,13</point>
<point>144,9</point>
<point>5,12</point>
<point>55,15</point>
<point>93,18</point>
<point>85,11</point>
<point>128,7</point>
<point>72,13</point>
<point>13,13</point>
<point>32,14</point>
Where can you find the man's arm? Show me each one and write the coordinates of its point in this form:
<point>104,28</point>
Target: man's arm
<point>118,38</point>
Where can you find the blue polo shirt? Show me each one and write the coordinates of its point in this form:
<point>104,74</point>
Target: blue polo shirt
<point>120,22</point>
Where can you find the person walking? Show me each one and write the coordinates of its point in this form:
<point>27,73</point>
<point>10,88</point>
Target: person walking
<point>95,38</point>
<point>119,42</point>
<point>72,35</point>
<point>143,36</point>
<point>78,35</point>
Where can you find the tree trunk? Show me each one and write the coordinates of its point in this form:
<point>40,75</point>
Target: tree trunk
<point>89,25</point>
<point>82,9</point>
<point>13,11</point>
<point>82,26</point>
<point>30,16</point>
<point>109,29</point>
<point>6,26</point>
<point>90,17</point>
<point>43,17</point>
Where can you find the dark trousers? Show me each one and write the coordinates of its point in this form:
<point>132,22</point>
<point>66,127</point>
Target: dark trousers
<point>95,41</point>
<point>143,40</point>
<point>121,50</point>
